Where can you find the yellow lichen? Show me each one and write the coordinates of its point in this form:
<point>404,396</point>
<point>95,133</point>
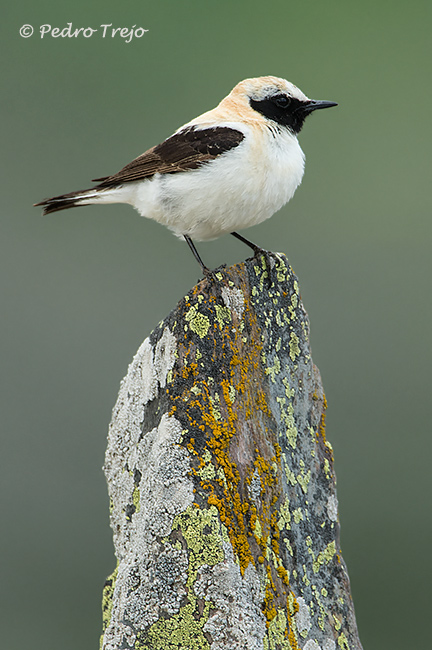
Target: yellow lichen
<point>136,495</point>
<point>199,323</point>
<point>223,315</point>
<point>284,515</point>
<point>294,346</point>
<point>337,622</point>
<point>303,478</point>
<point>343,642</point>
<point>278,632</point>
<point>323,557</point>
<point>203,535</point>
<point>107,600</point>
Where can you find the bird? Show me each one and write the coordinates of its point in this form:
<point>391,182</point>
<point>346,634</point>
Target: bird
<point>228,169</point>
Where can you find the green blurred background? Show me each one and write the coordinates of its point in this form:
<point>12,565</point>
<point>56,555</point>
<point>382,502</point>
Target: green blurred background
<point>81,289</point>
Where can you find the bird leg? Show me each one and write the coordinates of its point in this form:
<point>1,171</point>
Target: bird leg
<point>257,251</point>
<point>206,271</point>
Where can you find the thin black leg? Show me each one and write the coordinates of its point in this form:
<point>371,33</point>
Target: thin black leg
<point>256,249</point>
<point>257,252</point>
<point>196,255</point>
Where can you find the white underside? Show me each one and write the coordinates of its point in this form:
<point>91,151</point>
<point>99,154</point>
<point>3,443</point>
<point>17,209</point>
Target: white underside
<point>241,188</point>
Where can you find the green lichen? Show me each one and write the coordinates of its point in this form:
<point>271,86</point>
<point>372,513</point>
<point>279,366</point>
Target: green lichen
<point>289,392</point>
<point>304,477</point>
<point>203,535</point>
<point>215,402</point>
<point>294,346</point>
<point>322,611</point>
<point>207,472</point>
<point>107,601</point>
<point>257,529</point>
<point>343,642</point>
<point>287,416</point>
<point>288,545</point>
<point>291,478</point>
<point>199,323</point>
<point>274,369</point>
<point>277,634</point>
<point>223,315</point>
<point>292,434</point>
<point>323,557</point>
<point>180,632</point>
<point>284,516</point>
<point>281,270</point>
<point>204,547</point>
<point>327,471</point>
<point>136,496</point>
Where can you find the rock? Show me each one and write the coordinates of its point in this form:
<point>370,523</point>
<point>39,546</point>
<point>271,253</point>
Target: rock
<point>221,480</point>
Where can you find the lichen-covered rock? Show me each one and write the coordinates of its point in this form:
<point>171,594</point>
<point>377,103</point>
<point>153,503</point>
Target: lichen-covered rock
<point>221,481</point>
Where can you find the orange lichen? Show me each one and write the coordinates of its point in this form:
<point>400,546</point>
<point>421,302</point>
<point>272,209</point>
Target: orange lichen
<point>322,424</point>
<point>292,607</point>
<point>209,408</point>
<point>283,574</point>
<point>269,609</point>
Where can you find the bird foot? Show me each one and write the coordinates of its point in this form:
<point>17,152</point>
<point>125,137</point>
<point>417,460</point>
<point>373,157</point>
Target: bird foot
<point>258,252</point>
<point>211,274</point>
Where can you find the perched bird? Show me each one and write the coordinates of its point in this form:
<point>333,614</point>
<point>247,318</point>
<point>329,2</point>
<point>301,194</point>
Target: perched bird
<point>228,169</point>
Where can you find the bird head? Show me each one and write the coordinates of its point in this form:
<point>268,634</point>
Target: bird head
<point>275,99</point>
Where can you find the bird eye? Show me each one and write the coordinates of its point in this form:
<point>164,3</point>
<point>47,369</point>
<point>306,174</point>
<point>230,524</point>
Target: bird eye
<point>282,101</point>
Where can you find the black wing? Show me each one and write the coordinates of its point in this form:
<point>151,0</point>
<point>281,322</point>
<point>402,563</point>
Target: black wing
<point>187,149</point>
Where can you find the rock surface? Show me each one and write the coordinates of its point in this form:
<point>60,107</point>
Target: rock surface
<point>221,480</point>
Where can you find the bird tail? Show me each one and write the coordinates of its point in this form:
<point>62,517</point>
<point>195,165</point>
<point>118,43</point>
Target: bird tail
<point>71,200</point>
<point>117,194</point>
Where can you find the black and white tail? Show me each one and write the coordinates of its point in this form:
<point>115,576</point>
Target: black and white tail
<point>73,200</point>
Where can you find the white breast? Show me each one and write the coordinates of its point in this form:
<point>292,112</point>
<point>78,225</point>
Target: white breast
<point>240,188</point>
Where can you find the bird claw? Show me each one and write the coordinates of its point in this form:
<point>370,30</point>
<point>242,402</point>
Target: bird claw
<point>210,274</point>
